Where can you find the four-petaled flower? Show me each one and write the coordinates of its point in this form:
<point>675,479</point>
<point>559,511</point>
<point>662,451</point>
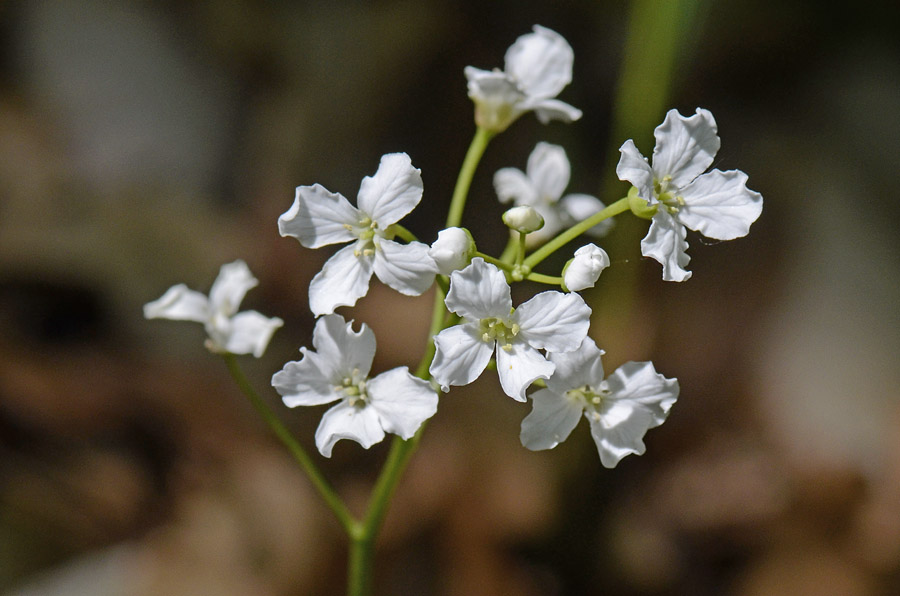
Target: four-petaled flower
<point>620,409</point>
<point>550,321</point>
<point>338,370</point>
<point>717,204</point>
<point>537,67</point>
<point>541,186</point>
<point>229,331</point>
<point>319,217</point>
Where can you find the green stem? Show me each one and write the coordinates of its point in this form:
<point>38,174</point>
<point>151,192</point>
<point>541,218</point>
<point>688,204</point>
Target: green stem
<point>403,233</point>
<point>499,263</point>
<point>544,279</point>
<point>558,242</point>
<point>318,480</point>
<point>461,191</point>
<point>509,252</point>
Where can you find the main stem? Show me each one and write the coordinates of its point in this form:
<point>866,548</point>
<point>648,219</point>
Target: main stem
<point>476,149</point>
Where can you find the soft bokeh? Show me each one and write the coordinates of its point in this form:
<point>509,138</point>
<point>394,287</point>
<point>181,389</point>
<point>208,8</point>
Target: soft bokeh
<point>144,144</point>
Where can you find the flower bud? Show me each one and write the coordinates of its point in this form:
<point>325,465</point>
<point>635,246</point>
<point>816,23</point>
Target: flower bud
<point>582,271</point>
<point>523,219</point>
<point>452,250</point>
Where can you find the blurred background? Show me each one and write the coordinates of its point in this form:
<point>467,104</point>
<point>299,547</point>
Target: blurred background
<point>144,144</point>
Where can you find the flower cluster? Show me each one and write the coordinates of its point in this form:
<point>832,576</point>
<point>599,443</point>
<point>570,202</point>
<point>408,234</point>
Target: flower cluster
<point>542,342</point>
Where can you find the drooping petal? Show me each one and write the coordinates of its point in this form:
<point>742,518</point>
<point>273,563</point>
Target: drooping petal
<point>479,291</point>
<point>343,421</point>
<point>639,383</point>
<point>319,217</point>
<point>577,368</point>
<point>619,431</point>
<point>552,109</point>
<point>230,287</point>
<point>179,304</point>
<point>553,321</point>
<point>552,419</point>
<point>310,381</point>
<point>685,147</point>
<point>579,207</point>
<point>343,280</point>
<point>549,171</point>
<point>518,366</point>
<point>460,356</point>
<point>394,190</point>
<point>540,62</point>
<point>719,205</point>
<point>251,332</point>
<point>665,242</point>
<point>408,268</point>
<point>633,168</point>
<point>341,349</point>
<point>402,401</point>
<point>512,185</point>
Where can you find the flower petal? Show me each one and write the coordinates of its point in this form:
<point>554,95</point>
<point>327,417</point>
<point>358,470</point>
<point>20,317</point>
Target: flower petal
<point>579,207</point>
<point>318,217</point>
<point>402,401</point>
<point>394,190</point>
<point>619,431</point>
<point>460,356</point>
<point>479,291</point>
<point>343,280</point>
<point>309,381</point>
<point>633,168</point>
<point>639,383</point>
<point>231,285</point>
<point>250,333</point>
<point>552,419</point>
<point>719,205</point>
<point>577,368</point>
<point>540,62</point>
<point>553,321</point>
<point>549,171</point>
<point>513,185</point>
<point>552,109</point>
<point>519,366</point>
<point>344,421</point>
<point>343,349</point>
<point>685,147</point>
<point>665,242</point>
<point>179,304</point>
<point>408,268</point>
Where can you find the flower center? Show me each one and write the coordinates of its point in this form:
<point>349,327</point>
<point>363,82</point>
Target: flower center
<point>365,230</point>
<point>665,193</point>
<point>496,329</point>
<point>353,389</point>
<point>590,398</point>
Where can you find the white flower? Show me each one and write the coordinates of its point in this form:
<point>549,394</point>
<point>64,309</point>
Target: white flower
<point>541,185</point>
<point>619,409</point>
<point>338,370</point>
<point>318,218</point>
<point>583,271</point>
<point>550,321</point>
<point>452,250</point>
<point>523,219</point>
<point>716,204</point>
<point>229,331</point>
<point>537,67</point>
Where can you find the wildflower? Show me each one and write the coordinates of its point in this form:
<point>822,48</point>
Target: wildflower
<point>620,409</point>
<point>585,268</point>
<point>338,370</point>
<point>541,186</point>
<point>319,217</point>
<point>229,331</point>
<point>452,250</point>
<point>717,204</point>
<point>480,295</point>
<point>537,67</point>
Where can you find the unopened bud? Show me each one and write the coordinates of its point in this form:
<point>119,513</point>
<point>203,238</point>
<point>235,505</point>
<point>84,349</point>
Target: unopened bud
<point>523,219</point>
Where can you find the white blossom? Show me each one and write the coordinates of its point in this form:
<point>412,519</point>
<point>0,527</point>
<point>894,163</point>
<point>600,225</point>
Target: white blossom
<point>338,370</point>
<point>229,331</point>
<point>319,218</point>
<point>537,67</point>
<point>620,409</point>
<point>550,321</point>
<point>541,186</point>
<point>585,268</point>
<point>452,250</point>
<point>717,204</point>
